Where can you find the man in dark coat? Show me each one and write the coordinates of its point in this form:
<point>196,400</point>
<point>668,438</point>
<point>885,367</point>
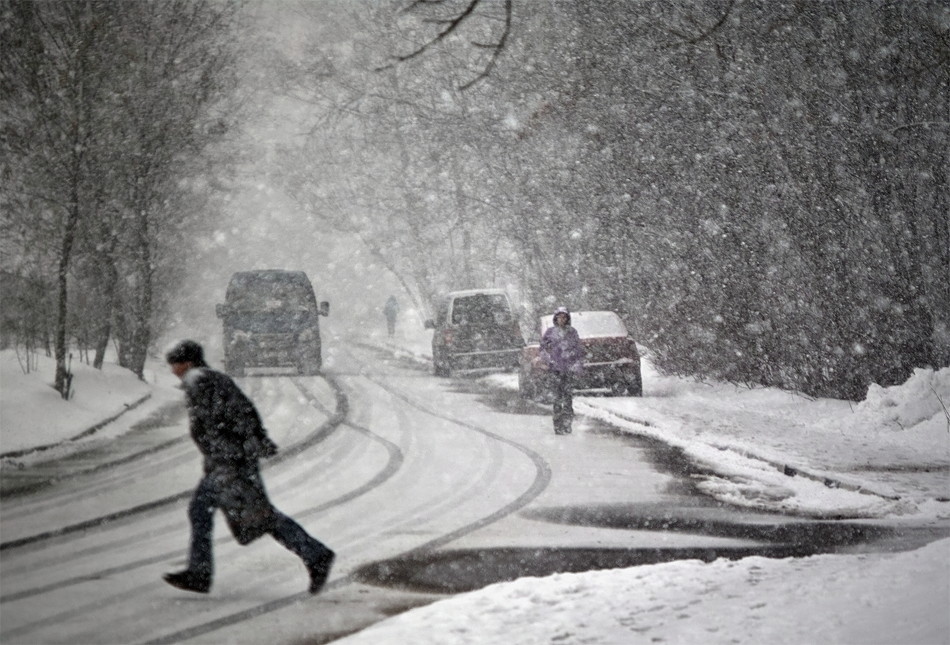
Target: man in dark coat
<point>228,431</point>
<point>563,354</point>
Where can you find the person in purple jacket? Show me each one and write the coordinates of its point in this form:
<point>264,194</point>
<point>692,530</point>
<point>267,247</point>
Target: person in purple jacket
<point>563,355</point>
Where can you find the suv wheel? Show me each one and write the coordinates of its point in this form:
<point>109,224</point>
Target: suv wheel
<point>308,363</point>
<point>440,366</point>
<point>634,384</point>
<point>441,369</point>
<point>309,369</point>
<point>627,384</point>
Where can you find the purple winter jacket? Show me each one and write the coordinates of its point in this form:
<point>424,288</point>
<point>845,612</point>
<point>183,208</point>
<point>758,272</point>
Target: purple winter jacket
<point>562,351</point>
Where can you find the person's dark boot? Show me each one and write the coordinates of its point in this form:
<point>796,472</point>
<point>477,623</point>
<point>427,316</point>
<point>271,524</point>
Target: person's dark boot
<point>320,571</point>
<point>189,580</point>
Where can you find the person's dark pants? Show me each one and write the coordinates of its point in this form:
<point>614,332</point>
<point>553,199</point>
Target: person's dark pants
<point>287,532</point>
<point>391,326</point>
<point>562,385</point>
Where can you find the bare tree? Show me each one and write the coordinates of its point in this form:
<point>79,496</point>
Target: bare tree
<point>390,160</point>
<point>54,80</point>
<point>486,24</point>
<point>108,105</point>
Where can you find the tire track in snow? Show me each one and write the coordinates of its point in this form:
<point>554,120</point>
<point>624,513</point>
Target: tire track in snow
<point>539,483</point>
<point>393,464</point>
<point>318,435</point>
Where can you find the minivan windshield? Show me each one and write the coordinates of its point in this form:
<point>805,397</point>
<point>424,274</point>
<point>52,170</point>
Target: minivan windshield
<point>265,293</point>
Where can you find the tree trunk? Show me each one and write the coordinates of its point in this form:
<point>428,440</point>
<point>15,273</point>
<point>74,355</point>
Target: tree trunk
<point>69,237</point>
<point>104,330</point>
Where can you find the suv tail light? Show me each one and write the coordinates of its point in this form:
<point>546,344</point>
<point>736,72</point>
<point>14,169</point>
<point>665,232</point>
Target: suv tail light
<point>448,336</point>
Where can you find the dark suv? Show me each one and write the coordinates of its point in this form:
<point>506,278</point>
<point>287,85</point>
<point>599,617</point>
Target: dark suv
<point>475,330</point>
<point>271,319</point>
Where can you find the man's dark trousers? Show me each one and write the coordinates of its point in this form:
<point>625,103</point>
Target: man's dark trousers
<point>201,514</point>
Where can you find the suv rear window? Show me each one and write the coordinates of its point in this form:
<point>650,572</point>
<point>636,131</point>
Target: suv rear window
<point>593,324</point>
<point>487,308</point>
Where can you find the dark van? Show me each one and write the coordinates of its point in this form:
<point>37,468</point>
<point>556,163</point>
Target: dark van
<point>271,319</point>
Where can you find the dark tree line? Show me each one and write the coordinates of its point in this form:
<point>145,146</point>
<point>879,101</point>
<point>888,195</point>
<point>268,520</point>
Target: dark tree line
<point>110,110</point>
<point>787,167</point>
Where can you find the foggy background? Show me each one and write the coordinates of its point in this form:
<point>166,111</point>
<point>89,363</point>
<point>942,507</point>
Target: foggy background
<point>758,188</point>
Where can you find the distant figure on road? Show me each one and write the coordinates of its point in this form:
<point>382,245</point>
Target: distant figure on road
<point>228,431</point>
<point>563,354</point>
<point>391,310</point>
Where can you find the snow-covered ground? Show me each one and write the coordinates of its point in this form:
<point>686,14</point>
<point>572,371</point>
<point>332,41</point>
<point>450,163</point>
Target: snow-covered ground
<point>767,449</point>
<point>885,459</point>
<point>822,599</point>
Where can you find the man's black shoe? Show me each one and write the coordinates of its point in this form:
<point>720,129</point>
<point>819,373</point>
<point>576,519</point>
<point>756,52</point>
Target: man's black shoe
<point>320,571</point>
<point>189,581</point>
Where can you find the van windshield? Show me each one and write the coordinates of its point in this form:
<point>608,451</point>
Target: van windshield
<point>481,308</point>
<point>269,293</point>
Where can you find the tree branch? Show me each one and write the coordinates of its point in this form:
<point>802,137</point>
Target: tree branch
<point>452,25</point>
<point>709,32</point>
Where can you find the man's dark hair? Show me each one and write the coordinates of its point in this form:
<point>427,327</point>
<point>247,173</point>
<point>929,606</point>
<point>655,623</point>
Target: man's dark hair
<point>187,351</point>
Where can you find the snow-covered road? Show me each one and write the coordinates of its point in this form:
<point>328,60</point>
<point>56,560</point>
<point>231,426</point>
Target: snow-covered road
<point>424,486</point>
<point>380,461</point>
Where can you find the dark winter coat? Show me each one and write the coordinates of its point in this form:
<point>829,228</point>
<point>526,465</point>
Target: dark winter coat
<point>562,351</point>
<point>228,431</point>
<point>391,309</point>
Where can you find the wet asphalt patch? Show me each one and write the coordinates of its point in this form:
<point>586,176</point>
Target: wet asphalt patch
<point>772,535</point>
<point>461,570</point>
<point>814,536</point>
<point>449,572</point>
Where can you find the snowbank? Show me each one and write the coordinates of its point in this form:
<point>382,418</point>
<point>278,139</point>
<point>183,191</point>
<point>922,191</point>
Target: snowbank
<point>772,450</point>
<point>33,414</point>
<point>34,417</point>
